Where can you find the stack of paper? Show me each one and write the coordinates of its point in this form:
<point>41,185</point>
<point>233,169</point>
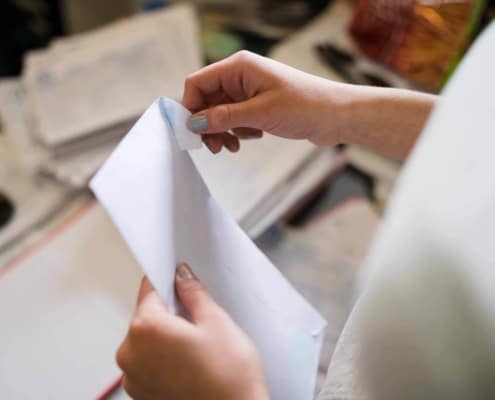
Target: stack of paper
<point>35,198</point>
<point>84,92</point>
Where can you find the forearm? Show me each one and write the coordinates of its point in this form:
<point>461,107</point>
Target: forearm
<point>386,120</point>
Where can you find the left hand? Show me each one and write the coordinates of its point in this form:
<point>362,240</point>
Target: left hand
<point>167,357</point>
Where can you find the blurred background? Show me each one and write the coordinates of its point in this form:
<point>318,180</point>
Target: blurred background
<point>76,74</point>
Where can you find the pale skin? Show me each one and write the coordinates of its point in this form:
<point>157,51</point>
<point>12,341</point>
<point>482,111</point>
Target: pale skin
<point>207,356</point>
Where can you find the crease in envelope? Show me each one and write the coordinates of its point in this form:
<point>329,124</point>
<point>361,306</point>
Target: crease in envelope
<point>155,196</point>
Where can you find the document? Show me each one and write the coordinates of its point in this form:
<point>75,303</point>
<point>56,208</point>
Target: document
<point>94,81</point>
<point>159,202</point>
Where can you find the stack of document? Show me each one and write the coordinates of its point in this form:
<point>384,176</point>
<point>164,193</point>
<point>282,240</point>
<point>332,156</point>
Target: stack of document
<point>84,92</point>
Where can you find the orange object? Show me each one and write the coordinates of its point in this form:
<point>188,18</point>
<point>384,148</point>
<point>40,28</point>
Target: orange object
<point>421,40</point>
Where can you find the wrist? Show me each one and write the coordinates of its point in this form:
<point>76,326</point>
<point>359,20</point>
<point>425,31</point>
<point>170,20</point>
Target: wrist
<point>387,120</point>
<point>336,107</point>
<point>357,111</point>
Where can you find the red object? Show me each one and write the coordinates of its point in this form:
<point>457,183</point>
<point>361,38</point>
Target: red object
<point>110,389</point>
<point>379,26</point>
<point>421,40</point>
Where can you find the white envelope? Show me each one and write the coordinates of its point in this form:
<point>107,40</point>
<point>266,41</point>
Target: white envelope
<point>161,206</point>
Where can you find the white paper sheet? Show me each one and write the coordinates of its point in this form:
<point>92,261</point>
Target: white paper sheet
<point>163,209</point>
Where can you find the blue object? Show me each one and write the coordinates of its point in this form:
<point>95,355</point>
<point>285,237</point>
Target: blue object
<point>167,112</point>
<point>152,5</point>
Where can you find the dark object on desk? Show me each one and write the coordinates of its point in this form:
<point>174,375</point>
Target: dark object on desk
<point>375,80</point>
<point>6,210</point>
<point>25,26</point>
<point>345,64</point>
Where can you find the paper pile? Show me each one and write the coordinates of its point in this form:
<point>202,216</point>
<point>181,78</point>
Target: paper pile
<point>84,92</point>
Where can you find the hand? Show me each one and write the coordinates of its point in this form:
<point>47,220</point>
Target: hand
<point>167,357</point>
<point>248,94</point>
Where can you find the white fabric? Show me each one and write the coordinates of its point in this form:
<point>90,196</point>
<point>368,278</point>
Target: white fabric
<point>424,327</point>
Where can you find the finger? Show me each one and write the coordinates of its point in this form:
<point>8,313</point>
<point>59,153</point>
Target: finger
<point>223,76</point>
<point>122,357</point>
<point>231,142</point>
<point>134,391</point>
<point>148,298</point>
<point>200,84</point>
<point>207,141</point>
<point>130,365</point>
<point>144,289</point>
<point>193,295</point>
<point>227,116</point>
<point>213,142</point>
<point>247,133</point>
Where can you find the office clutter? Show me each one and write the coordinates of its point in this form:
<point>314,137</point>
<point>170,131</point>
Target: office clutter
<point>77,98</point>
<point>62,122</point>
<point>408,44</point>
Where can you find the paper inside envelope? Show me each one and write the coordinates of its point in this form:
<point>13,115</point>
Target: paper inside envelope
<point>161,206</point>
<point>175,115</point>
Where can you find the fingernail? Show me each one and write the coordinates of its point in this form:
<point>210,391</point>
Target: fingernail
<point>233,147</point>
<point>198,123</point>
<point>183,272</point>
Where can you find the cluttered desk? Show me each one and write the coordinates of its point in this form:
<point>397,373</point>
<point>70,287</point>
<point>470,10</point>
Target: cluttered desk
<point>69,271</point>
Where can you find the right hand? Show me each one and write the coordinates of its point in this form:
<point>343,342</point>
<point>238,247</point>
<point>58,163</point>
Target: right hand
<point>207,357</point>
<point>246,94</point>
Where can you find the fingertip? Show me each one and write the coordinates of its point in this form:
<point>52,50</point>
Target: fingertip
<point>236,147</point>
<point>183,272</point>
<point>231,142</point>
<point>145,288</point>
<point>246,133</point>
<point>214,142</point>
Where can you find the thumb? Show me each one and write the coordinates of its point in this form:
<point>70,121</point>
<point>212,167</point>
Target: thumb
<point>193,295</point>
<point>223,117</point>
